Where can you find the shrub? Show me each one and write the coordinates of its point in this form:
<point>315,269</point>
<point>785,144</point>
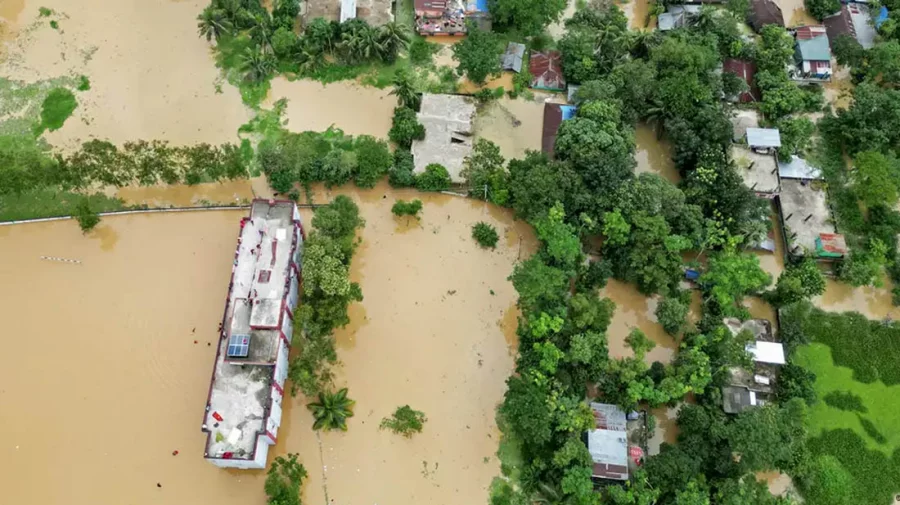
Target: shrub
<point>57,107</point>
<point>405,421</point>
<point>338,167</point>
<point>420,51</point>
<point>84,83</point>
<point>434,178</point>
<point>284,480</point>
<point>45,12</point>
<point>401,174</point>
<point>86,216</point>
<point>284,41</point>
<point>373,158</point>
<point>404,208</point>
<point>820,9</point>
<point>845,400</point>
<point>405,127</point>
<point>485,234</point>
<point>794,381</point>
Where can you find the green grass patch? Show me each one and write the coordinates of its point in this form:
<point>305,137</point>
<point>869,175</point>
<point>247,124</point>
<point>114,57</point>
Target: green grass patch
<point>865,438</point>
<point>56,108</point>
<point>51,203</point>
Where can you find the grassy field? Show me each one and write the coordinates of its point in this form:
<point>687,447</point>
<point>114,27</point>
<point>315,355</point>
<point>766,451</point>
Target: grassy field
<point>50,203</point>
<point>856,418</point>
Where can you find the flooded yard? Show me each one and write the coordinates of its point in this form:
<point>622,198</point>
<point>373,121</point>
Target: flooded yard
<point>118,383</point>
<point>514,125</point>
<point>151,76</point>
<point>654,154</point>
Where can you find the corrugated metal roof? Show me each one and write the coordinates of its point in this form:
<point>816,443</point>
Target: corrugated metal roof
<point>665,21</point>
<point>765,12</point>
<point>798,168</point>
<point>763,137</point>
<point>608,443</point>
<point>546,70</point>
<point>814,49</point>
<point>747,72</point>
<point>512,58</point>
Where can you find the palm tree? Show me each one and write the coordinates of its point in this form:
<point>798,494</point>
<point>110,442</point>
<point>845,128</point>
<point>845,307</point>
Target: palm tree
<point>310,58</point>
<point>394,37</point>
<point>705,20</point>
<point>261,29</point>
<point>213,23</point>
<point>656,115</point>
<point>332,410</point>
<point>258,64</point>
<point>362,44</point>
<point>405,90</point>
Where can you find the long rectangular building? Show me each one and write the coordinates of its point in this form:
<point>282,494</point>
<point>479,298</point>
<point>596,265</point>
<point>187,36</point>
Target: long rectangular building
<point>243,408</point>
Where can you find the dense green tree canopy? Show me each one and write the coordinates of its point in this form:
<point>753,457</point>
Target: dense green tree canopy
<point>526,16</point>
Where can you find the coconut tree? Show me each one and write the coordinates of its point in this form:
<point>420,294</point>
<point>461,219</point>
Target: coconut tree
<point>362,44</point>
<point>213,23</point>
<point>405,90</point>
<point>310,58</point>
<point>262,28</point>
<point>258,64</point>
<point>394,37</point>
<point>332,410</point>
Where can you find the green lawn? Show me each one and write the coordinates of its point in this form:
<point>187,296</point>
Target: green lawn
<point>50,203</point>
<point>856,418</point>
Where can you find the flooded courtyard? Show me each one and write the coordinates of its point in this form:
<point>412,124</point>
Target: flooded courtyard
<point>118,382</point>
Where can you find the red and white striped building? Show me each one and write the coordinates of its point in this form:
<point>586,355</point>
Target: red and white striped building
<point>243,409</point>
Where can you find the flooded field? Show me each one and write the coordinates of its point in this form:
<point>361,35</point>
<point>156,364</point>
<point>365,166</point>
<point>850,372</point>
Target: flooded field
<point>123,383</point>
<point>794,13</point>
<point>637,12</point>
<point>358,110</point>
<point>654,154</point>
<point>634,310</point>
<point>151,76</point>
<point>872,302</point>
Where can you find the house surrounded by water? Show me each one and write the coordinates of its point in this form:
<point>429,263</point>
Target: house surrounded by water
<point>243,408</point>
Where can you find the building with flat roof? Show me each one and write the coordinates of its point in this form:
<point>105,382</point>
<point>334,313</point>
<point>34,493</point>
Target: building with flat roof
<point>853,20</point>
<point>807,222</point>
<point>747,388</point>
<point>449,126</point>
<point>608,442</point>
<point>759,171</point>
<point>243,408</point>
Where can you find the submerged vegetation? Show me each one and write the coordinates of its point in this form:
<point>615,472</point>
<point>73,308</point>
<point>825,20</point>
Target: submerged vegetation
<point>485,235</point>
<point>405,421</point>
<point>332,410</point>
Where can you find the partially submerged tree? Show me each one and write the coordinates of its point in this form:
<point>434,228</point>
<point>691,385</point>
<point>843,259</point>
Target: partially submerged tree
<point>87,217</point>
<point>284,481</point>
<point>404,208</point>
<point>405,421</point>
<point>332,410</point>
<point>485,235</point>
<point>478,54</point>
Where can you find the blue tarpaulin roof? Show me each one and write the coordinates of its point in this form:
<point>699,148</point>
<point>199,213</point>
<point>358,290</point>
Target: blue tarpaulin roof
<point>568,111</point>
<point>882,17</point>
<point>477,6</point>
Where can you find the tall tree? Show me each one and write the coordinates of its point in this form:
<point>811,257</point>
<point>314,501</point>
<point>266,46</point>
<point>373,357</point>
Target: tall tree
<point>527,16</point>
<point>478,54</point>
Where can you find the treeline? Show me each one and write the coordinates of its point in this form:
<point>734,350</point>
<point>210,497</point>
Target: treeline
<point>865,197</point>
<point>327,292</point>
<point>256,43</point>
<point>26,166</point>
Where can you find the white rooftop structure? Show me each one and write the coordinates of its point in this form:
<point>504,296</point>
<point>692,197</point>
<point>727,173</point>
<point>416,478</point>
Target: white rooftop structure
<point>448,121</point>
<point>763,137</point>
<point>608,443</point>
<point>348,10</point>
<point>243,409</point>
<point>767,352</point>
<point>798,168</point>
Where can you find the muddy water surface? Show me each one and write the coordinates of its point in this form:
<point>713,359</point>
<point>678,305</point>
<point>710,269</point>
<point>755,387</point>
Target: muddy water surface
<point>636,11</point>
<point>127,382</point>
<point>514,125</point>
<point>357,110</point>
<point>874,303</point>
<point>634,310</point>
<point>151,76</point>
<point>653,154</point>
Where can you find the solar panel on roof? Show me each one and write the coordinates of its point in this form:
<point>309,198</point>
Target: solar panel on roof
<point>239,346</point>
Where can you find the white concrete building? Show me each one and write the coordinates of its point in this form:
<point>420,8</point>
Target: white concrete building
<point>243,409</point>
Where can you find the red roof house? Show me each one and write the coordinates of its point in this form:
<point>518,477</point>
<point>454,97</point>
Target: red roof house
<point>747,72</point>
<point>546,70</point>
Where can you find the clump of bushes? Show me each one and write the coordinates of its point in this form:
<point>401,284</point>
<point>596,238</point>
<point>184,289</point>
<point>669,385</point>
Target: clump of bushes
<point>405,127</point>
<point>56,108</point>
<point>434,178</point>
<point>401,174</point>
<point>87,217</point>
<point>405,421</point>
<point>404,208</point>
<point>485,234</point>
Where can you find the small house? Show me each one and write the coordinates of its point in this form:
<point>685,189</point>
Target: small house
<point>812,54</point>
<point>440,17</point>
<point>676,16</point>
<point>512,57</point>
<point>745,388</point>
<point>763,140</point>
<point>608,443</point>
<point>853,20</point>
<point>765,12</point>
<point>554,115</point>
<point>448,122</point>
<point>546,71</point>
<point>746,71</point>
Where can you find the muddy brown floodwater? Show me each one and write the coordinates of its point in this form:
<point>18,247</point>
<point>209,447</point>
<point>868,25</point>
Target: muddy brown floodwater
<point>112,383</point>
<point>514,125</point>
<point>654,154</point>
